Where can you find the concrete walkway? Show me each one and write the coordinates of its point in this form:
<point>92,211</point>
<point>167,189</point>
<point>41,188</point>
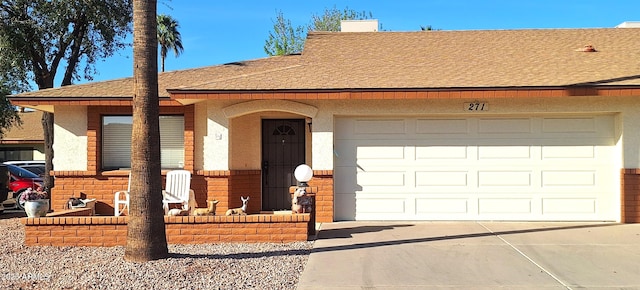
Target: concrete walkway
<point>474,255</point>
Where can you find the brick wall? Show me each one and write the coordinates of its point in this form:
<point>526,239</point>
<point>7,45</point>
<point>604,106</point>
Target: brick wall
<point>243,183</point>
<point>99,187</point>
<point>112,231</point>
<point>323,180</point>
<point>103,187</point>
<point>228,186</point>
<point>225,186</point>
<point>630,196</point>
<point>217,189</point>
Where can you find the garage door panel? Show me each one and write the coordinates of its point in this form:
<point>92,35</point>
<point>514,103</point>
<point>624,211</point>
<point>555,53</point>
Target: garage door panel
<point>348,151</point>
<point>380,127</point>
<point>477,168</point>
<point>505,178</point>
<point>569,178</point>
<point>442,126</point>
<point>344,181</point>
<point>568,152</point>
<point>380,152</point>
<point>504,152</point>
<point>381,205</point>
<point>505,126</point>
<point>505,206</point>
<point>569,125</point>
<point>578,155</point>
<point>442,178</point>
<point>440,152</point>
<point>569,205</point>
<point>431,206</point>
<point>381,179</point>
<point>579,127</point>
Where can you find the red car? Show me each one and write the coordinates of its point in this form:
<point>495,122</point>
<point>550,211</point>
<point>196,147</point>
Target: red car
<point>20,179</point>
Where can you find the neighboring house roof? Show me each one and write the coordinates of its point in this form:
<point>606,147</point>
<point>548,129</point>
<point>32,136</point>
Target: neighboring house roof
<point>411,60</point>
<point>29,132</point>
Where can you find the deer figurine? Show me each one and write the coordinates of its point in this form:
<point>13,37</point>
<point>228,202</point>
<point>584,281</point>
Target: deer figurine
<point>177,212</point>
<point>209,210</point>
<point>241,210</point>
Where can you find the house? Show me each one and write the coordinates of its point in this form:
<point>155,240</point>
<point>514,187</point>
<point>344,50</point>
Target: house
<point>513,125</point>
<point>24,142</point>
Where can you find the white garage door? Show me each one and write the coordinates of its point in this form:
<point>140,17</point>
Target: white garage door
<point>497,168</point>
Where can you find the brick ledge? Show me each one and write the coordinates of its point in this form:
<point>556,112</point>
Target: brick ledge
<point>122,220</point>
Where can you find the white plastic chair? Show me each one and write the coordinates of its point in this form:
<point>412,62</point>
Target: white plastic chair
<point>177,189</point>
<point>118,202</point>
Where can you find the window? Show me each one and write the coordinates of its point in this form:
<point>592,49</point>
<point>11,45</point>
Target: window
<point>116,142</point>
<point>16,153</point>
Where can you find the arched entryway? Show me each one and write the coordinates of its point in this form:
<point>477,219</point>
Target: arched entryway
<point>274,137</point>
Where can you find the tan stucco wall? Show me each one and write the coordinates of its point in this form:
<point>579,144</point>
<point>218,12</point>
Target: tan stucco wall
<point>246,140</point>
<point>70,138</point>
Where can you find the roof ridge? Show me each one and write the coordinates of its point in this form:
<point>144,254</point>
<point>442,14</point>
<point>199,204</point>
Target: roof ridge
<point>465,30</point>
<point>220,64</point>
<point>239,76</point>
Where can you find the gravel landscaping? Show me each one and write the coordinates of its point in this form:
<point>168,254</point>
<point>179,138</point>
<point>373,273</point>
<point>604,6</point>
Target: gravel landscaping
<point>206,266</point>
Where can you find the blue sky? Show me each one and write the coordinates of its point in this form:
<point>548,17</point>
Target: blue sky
<point>217,32</point>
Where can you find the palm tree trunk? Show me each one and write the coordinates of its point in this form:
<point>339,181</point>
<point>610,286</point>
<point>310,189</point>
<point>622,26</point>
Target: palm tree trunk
<point>146,236</point>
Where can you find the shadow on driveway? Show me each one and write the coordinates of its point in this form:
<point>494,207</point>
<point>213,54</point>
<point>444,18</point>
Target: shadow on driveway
<point>348,232</point>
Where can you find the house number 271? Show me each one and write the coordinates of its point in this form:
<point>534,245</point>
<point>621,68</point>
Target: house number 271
<point>476,106</point>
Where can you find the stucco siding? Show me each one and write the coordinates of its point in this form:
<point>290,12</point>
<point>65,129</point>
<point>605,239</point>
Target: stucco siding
<point>216,139</point>
<point>245,142</point>
<point>70,138</point>
<point>245,135</point>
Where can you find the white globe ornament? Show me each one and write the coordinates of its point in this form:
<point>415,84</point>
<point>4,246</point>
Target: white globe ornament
<point>303,174</point>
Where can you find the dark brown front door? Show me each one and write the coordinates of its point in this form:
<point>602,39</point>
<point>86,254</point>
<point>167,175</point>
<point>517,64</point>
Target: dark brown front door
<point>282,150</point>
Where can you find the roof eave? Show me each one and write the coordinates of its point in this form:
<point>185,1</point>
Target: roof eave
<point>569,90</point>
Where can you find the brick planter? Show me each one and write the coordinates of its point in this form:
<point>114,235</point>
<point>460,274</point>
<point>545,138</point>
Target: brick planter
<point>107,231</point>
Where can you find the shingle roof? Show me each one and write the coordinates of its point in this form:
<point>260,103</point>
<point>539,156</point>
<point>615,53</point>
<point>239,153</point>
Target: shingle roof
<point>123,88</point>
<point>421,60</point>
<point>496,58</point>
<point>30,130</point>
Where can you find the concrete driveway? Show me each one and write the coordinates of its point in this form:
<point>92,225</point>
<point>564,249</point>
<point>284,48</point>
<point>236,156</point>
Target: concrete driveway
<point>474,255</point>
